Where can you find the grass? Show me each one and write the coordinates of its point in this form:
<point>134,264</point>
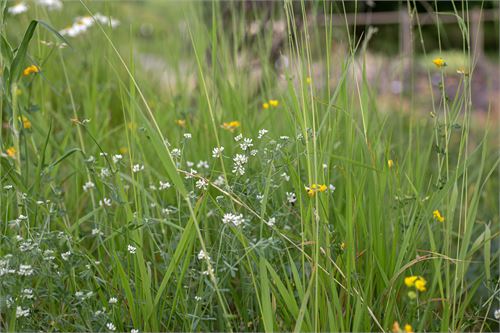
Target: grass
<point>120,210</point>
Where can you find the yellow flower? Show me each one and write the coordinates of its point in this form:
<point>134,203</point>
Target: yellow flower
<point>26,122</point>
<point>274,103</point>
<point>314,188</point>
<point>390,163</point>
<point>123,150</point>
<point>420,284</point>
<point>265,106</point>
<point>342,246</point>
<point>437,216</point>
<point>308,80</point>
<point>439,62</point>
<point>181,122</point>
<point>231,126</point>
<point>395,327</point>
<point>408,328</point>
<point>410,280</point>
<point>11,152</point>
<point>31,69</point>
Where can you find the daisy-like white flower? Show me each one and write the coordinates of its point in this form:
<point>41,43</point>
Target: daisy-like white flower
<point>131,249</point>
<point>51,4</point>
<point>113,300</point>
<point>187,136</point>
<point>217,152</point>
<point>238,137</point>
<point>262,132</point>
<point>18,8</point>
<point>111,327</point>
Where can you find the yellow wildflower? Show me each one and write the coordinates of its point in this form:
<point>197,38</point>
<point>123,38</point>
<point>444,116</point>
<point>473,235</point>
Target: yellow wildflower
<point>31,69</point>
<point>274,103</point>
<point>395,327</point>
<point>26,122</point>
<point>314,188</point>
<point>408,328</point>
<point>439,62</point>
<point>342,246</point>
<point>265,106</point>
<point>11,152</point>
<point>308,80</point>
<point>323,188</point>
<point>181,122</point>
<point>420,284</point>
<point>123,150</point>
<point>231,126</point>
<point>311,193</point>
<point>390,163</point>
<point>437,216</point>
<point>410,280</point>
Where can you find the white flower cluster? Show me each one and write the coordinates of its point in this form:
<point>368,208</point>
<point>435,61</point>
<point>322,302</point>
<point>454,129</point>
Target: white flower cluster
<point>203,255</point>
<point>217,152</point>
<point>235,219</point>
<point>82,24</point>
<point>240,161</point>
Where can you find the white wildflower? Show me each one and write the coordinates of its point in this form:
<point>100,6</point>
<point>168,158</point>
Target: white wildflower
<point>117,158</point>
<point>113,300</point>
<point>202,165</point>
<point>51,4</point>
<point>271,221</point>
<point>217,152</point>
<point>131,249</point>
<point>285,176</point>
<point>497,314</point>
<point>197,298</point>
<point>332,188</point>
<point>203,255</point>
<point>189,164</point>
<point>164,185</point>
<point>137,167</point>
<point>262,132</point>
<point>105,202</point>
<point>239,164</point>
<point>25,270</point>
<point>220,181</point>
<point>176,152</point>
<point>27,293</point>
<point>238,137</point>
<point>105,173</point>
<point>18,9</point>
<point>187,136</point>
<point>201,184</point>
<point>291,197</point>
<point>20,312</point>
<point>65,255</point>
<point>235,219</point>
<point>253,152</point>
<point>247,143</point>
<point>111,326</point>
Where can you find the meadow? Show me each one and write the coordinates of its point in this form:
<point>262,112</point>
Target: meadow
<point>213,166</point>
